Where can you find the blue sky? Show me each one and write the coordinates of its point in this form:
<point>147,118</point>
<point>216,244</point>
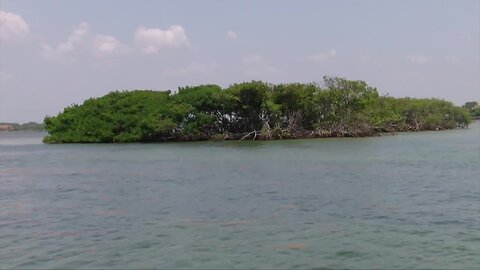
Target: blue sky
<point>55,53</point>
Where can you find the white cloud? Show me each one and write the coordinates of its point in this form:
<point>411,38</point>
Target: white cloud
<point>232,35</point>
<point>12,27</point>
<point>151,40</point>
<point>417,59</point>
<point>145,40</point>
<point>108,45</point>
<point>256,65</point>
<point>320,57</point>
<point>77,36</point>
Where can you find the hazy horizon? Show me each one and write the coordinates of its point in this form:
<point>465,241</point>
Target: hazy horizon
<point>56,53</point>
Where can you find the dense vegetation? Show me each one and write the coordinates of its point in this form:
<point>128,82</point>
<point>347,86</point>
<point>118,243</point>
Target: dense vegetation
<point>474,108</point>
<point>25,126</point>
<point>250,110</point>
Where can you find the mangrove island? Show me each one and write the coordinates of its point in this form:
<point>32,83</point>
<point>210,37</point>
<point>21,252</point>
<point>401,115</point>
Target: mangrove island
<point>251,110</point>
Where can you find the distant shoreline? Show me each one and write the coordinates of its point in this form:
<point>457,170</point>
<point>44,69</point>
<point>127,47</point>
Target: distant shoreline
<point>31,126</point>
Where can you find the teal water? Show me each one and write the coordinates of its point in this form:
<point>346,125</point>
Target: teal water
<point>405,201</point>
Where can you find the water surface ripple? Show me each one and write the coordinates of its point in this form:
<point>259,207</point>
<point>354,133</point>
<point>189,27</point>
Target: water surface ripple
<point>405,201</point>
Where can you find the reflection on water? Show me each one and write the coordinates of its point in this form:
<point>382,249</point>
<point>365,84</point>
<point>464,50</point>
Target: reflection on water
<point>21,137</point>
<point>405,201</point>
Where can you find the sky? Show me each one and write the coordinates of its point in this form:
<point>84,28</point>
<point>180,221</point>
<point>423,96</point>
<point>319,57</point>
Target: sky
<point>57,53</point>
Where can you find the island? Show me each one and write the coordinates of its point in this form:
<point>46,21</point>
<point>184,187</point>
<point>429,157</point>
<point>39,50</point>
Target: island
<point>254,110</point>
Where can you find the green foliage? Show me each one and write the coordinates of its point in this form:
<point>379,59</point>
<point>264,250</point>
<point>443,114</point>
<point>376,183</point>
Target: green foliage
<point>474,108</point>
<point>247,105</point>
<point>249,110</point>
<point>470,105</point>
<point>476,112</point>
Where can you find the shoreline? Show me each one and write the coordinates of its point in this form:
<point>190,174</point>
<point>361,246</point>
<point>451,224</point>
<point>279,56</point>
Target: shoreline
<point>240,138</point>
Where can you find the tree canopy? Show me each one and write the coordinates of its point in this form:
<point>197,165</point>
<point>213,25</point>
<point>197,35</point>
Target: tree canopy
<point>249,110</point>
<point>474,108</point>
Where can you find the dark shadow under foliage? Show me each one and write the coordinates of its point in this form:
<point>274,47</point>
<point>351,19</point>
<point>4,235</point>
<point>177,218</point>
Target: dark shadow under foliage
<point>250,110</point>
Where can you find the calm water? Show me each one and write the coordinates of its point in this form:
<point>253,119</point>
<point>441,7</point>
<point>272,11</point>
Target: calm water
<point>411,200</point>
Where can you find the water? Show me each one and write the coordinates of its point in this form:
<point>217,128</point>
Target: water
<point>405,201</point>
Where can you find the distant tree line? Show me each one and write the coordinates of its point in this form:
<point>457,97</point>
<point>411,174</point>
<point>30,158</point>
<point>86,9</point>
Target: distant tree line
<point>25,126</point>
<point>249,110</point>
<point>474,108</point>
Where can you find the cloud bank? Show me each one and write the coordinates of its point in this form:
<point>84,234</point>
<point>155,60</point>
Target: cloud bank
<point>152,40</point>
<point>232,35</point>
<point>145,40</point>
<point>73,41</point>
<point>320,57</point>
<point>12,27</point>
<point>104,45</point>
